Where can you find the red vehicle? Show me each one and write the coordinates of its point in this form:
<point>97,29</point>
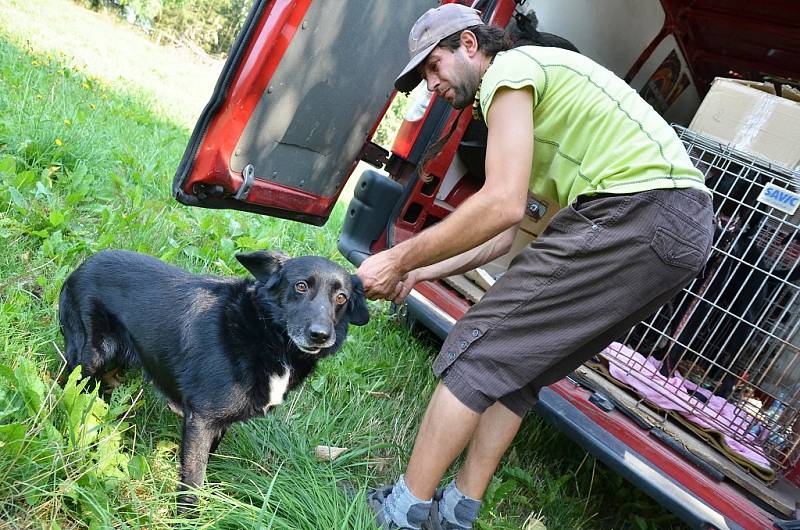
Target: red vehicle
<point>301,96</point>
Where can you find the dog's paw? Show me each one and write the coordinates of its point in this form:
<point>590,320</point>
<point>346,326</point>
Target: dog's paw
<point>187,504</point>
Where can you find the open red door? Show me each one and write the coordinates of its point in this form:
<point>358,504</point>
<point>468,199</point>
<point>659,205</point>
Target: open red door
<point>296,105</point>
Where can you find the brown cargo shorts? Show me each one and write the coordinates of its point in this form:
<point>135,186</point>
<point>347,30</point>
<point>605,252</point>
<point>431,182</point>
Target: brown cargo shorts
<point>604,264</point>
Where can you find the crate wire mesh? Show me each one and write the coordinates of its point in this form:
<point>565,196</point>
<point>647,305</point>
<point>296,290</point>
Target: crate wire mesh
<point>734,332</point>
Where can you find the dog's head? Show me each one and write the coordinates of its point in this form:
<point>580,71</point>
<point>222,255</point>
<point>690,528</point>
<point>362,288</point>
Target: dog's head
<point>314,297</point>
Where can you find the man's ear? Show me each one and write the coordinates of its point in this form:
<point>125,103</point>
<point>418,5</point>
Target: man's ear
<point>263,264</point>
<point>357,311</point>
<point>469,42</point>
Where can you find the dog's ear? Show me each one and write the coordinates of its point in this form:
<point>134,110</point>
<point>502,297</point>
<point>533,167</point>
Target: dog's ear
<point>263,264</point>
<point>357,311</point>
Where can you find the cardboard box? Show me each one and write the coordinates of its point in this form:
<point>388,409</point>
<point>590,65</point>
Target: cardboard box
<point>749,116</point>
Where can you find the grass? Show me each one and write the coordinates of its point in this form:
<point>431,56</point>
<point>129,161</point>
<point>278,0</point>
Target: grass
<point>86,164</point>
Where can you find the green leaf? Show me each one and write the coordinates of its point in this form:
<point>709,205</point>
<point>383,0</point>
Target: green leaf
<point>8,166</point>
<point>24,179</point>
<point>562,480</point>
<point>56,218</point>
<point>318,383</point>
<point>504,490</point>
<point>138,468</point>
<point>11,437</point>
<point>10,400</point>
<point>42,191</point>
<point>75,198</point>
<point>105,240</point>
<point>30,385</point>
<point>247,242</point>
<point>227,247</point>
<point>18,200</point>
<point>520,475</point>
<point>10,403</point>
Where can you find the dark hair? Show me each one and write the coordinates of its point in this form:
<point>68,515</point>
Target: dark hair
<point>491,39</point>
<point>523,30</point>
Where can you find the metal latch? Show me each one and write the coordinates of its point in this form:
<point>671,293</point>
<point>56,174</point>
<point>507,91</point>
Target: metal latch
<point>248,175</point>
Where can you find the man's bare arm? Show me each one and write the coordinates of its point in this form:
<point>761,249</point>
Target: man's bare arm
<point>496,207</point>
<point>461,263</point>
<point>480,255</point>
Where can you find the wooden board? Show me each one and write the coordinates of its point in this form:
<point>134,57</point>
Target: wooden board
<point>463,285</point>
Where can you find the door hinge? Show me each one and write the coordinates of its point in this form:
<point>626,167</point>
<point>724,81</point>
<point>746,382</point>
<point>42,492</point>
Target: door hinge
<point>374,155</point>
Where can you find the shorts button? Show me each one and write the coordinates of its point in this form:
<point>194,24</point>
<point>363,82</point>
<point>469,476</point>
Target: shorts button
<point>594,226</point>
<point>451,355</point>
<point>476,333</point>
<point>462,344</point>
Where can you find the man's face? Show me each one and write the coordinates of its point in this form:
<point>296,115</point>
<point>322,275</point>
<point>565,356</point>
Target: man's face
<point>452,75</point>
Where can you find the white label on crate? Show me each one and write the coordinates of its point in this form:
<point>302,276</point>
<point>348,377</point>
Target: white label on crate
<point>779,198</point>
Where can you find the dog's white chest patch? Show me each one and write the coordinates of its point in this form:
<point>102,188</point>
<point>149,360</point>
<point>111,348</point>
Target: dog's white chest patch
<point>278,383</point>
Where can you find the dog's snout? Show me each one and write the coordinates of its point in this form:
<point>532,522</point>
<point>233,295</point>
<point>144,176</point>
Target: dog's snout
<point>319,332</point>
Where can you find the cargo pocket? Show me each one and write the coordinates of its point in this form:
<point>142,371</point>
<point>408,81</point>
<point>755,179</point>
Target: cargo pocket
<point>676,251</point>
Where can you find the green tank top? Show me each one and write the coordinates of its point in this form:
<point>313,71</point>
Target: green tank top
<point>593,133</point>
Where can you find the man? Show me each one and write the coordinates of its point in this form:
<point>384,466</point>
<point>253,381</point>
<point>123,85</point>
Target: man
<point>636,227</point>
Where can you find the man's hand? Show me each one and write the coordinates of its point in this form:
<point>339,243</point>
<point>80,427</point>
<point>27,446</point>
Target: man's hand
<point>381,276</point>
<point>409,282</point>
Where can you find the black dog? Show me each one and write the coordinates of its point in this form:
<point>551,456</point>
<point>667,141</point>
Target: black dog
<point>220,350</point>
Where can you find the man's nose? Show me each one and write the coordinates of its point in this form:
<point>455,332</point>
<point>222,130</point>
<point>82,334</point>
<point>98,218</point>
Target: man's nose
<point>432,82</point>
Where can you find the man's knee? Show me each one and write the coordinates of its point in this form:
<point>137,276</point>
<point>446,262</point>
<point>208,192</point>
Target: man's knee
<point>461,388</point>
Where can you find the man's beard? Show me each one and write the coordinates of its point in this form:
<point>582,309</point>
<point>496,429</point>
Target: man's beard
<point>464,92</point>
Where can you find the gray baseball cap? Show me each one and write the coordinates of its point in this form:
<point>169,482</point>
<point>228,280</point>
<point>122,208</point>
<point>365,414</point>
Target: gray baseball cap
<point>429,29</point>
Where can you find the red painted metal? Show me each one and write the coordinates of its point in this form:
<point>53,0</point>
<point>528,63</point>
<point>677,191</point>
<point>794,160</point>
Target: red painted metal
<point>720,496</point>
<point>261,59</point>
<point>736,38</point>
<point>408,132</point>
<point>793,475</point>
<point>444,298</point>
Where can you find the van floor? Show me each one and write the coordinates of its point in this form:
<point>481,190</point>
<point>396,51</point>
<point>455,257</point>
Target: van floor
<point>780,497</point>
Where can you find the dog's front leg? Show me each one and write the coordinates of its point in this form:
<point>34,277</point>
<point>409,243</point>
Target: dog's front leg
<point>215,442</point>
<point>199,435</point>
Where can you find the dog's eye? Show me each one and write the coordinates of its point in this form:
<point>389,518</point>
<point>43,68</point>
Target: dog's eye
<point>341,298</point>
<point>301,287</point>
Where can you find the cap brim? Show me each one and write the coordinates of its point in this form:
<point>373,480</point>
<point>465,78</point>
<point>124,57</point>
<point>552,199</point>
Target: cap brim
<point>409,77</point>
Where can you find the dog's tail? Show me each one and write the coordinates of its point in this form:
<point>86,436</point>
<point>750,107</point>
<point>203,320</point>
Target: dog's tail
<point>71,327</point>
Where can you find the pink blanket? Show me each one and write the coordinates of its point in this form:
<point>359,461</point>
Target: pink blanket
<point>674,394</point>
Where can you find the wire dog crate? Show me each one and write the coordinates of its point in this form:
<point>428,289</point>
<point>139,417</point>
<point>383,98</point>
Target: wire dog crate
<point>725,353</point>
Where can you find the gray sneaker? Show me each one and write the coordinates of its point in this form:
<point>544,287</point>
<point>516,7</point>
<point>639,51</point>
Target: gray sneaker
<point>435,522</point>
<point>376,498</point>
